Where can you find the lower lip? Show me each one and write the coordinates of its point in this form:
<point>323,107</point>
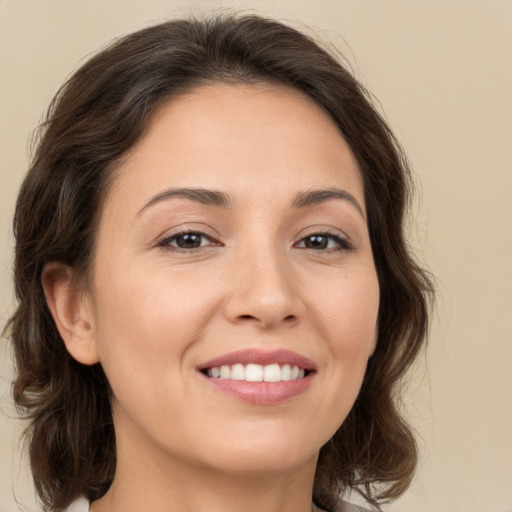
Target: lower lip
<point>261,393</point>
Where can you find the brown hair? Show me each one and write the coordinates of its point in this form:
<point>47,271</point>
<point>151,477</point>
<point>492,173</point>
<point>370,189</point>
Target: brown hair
<point>94,119</point>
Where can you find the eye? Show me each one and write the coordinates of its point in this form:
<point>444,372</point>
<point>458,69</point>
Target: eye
<point>324,241</point>
<point>187,240</point>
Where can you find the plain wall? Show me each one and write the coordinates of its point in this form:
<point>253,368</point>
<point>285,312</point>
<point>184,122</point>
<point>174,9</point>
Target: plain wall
<point>442,73</point>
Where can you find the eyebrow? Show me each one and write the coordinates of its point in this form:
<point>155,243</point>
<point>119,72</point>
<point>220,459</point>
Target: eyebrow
<point>199,195</point>
<point>315,197</point>
<point>223,200</point>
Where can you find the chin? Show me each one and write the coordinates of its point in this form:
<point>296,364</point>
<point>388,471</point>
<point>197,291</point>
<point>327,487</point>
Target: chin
<point>264,454</point>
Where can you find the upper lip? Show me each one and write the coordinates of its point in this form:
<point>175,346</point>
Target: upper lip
<point>263,357</point>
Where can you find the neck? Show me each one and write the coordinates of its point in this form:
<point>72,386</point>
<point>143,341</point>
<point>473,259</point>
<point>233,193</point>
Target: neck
<point>150,481</point>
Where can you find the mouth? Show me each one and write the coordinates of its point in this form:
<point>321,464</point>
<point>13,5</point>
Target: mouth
<point>257,376</point>
<point>253,372</point>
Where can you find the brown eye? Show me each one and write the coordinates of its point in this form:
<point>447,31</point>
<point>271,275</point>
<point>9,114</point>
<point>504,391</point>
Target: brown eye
<point>324,241</point>
<point>316,242</point>
<point>188,240</point>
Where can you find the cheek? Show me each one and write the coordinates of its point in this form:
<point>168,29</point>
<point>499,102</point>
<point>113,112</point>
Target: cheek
<point>146,323</point>
<point>348,310</point>
<point>347,319</point>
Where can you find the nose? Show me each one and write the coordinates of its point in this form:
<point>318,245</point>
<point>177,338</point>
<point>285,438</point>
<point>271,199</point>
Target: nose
<point>264,291</point>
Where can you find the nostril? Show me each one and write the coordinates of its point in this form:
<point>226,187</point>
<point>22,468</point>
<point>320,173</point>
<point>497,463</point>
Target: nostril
<point>287,319</point>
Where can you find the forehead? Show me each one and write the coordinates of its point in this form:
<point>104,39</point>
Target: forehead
<point>247,140</point>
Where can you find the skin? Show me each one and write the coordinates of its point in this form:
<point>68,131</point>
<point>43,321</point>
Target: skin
<point>155,312</point>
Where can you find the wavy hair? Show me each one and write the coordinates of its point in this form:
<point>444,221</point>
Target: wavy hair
<point>95,118</point>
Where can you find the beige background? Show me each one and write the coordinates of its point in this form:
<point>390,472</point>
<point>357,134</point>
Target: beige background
<point>442,72</point>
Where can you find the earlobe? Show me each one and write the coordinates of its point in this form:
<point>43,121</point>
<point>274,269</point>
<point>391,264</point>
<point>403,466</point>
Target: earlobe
<point>71,312</point>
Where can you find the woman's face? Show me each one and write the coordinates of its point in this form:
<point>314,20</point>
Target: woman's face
<point>234,241</point>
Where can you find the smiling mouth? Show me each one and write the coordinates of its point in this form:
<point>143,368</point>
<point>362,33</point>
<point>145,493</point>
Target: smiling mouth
<point>260,377</point>
<point>257,372</point>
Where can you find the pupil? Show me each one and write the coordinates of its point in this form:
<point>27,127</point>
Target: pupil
<point>316,242</point>
<point>189,241</point>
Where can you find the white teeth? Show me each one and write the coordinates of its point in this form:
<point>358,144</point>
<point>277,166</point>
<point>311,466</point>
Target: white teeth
<point>257,372</point>
<point>254,373</point>
<point>225,372</point>
<point>238,372</point>
<point>272,373</point>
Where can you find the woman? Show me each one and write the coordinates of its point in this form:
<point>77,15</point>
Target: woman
<point>216,301</point>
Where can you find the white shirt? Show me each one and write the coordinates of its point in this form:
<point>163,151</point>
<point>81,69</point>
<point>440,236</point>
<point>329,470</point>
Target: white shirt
<point>79,505</point>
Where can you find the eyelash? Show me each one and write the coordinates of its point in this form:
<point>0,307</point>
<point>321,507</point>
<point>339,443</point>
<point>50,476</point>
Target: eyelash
<point>166,242</point>
<point>344,245</point>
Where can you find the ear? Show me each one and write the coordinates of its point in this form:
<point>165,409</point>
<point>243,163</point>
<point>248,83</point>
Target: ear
<point>71,311</point>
